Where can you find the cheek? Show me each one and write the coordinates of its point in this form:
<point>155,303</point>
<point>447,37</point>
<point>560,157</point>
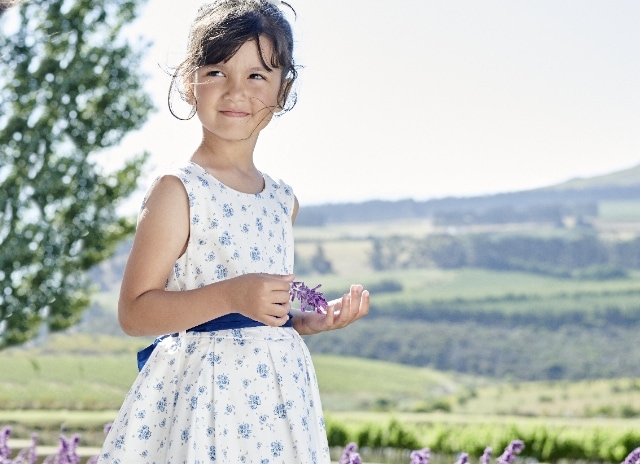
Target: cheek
<point>268,97</point>
<point>202,90</point>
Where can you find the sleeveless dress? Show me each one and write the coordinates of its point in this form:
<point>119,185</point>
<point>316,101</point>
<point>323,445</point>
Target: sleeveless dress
<point>231,395</point>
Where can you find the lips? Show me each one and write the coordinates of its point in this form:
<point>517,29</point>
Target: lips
<point>235,113</point>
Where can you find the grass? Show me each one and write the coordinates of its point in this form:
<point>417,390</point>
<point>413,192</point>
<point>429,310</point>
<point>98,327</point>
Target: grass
<point>506,291</point>
<point>363,230</point>
<point>76,382</point>
<point>47,378</point>
<point>363,384</point>
<point>71,392</point>
<point>598,399</point>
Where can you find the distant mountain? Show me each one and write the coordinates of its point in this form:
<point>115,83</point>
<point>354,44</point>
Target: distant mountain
<point>577,197</point>
<point>626,178</point>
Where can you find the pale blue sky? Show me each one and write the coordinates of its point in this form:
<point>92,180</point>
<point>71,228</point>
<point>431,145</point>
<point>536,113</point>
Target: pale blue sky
<point>425,99</point>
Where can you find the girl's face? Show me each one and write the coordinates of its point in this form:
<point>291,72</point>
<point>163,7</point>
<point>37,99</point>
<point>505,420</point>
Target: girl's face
<point>237,98</point>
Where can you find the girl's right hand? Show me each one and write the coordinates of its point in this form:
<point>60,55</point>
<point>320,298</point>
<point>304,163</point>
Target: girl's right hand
<point>262,297</point>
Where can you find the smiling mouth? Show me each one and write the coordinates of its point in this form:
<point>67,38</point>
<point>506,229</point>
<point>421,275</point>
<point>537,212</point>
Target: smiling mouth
<point>234,114</point>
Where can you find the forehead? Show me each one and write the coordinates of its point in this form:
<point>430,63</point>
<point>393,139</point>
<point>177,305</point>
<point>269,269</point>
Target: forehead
<point>259,47</point>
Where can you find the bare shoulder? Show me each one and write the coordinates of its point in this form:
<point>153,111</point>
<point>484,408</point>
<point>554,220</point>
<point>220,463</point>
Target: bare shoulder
<point>166,194</point>
<point>161,238</point>
<point>165,215</point>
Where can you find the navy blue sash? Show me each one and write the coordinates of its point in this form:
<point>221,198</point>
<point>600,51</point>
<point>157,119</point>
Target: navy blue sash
<point>228,321</point>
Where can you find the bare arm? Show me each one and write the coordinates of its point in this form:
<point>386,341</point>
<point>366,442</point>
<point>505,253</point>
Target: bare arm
<point>146,308</point>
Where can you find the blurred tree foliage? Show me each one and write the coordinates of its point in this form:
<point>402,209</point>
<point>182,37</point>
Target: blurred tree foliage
<point>70,87</point>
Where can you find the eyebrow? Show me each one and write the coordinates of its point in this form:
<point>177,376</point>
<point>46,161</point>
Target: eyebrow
<point>260,68</point>
<point>253,69</point>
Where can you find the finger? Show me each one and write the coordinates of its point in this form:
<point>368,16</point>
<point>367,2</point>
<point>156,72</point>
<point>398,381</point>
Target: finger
<point>344,313</point>
<point>365,303</point>
<point>355,304</point>
<point>285,277</point>
<point>282,282</point>
<point>330,315</point>
<point>279,321</point>
<point>280,297</point>
<point>279,309</point>
<point>356,296</point>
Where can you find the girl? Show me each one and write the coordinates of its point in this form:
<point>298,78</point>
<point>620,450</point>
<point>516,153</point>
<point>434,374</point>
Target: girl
<point>211,264</point>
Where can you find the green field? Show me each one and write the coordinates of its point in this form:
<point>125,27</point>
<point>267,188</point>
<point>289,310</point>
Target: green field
<point>364,400</point>
<point>75,382</point>
<point>85,373</point>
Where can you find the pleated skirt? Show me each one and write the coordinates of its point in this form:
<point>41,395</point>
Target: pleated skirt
<point>245,395</point>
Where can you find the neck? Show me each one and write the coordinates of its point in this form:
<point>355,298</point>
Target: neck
<point>216,151</point>
<point>231,163</point>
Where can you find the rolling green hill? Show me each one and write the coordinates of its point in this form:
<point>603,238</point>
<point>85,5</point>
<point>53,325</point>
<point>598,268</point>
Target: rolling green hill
<point>574,197</point>
<point>521,320</point>
<point>68,373</point>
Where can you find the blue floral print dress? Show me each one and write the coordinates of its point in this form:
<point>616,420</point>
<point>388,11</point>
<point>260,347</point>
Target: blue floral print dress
<point>233,395</point>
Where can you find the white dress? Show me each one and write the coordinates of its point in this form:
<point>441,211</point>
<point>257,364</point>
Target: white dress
<point>234,395</point>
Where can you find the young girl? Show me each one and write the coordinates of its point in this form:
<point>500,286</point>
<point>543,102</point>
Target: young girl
<point>211,265</point>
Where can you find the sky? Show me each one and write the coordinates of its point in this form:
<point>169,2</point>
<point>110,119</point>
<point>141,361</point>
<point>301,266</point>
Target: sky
<point>427,99</point>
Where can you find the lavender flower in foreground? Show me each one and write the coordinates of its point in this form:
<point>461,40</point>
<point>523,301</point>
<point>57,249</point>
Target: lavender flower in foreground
<point>5,451</point>
<point>308,297</point>
<point>486,456</point>
<point>350,455</point>
<point>509,454</point>
<point>420,456</point>
<point>28,455</point>
<point>463,459</point>
<point>67,453</point>
<point>633,457</point>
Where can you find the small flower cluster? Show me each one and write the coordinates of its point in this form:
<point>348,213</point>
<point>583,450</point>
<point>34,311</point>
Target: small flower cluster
<point>67,451</point>
<point>350,455</point>
<point>309,297</point>
<point>510,452</point>
<point>633,457</point>
<point>25,456</point>
<point>420,456</point>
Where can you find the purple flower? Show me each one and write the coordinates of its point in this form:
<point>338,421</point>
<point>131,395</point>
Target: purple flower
<point>28,455</point>
<point>350,455</point>
<point>509,454</point>
<point>486,456</point>
<point>420,456</point>
<point>67,453</point>
<point>463,459</point>
<point>308,297</point>
<point>632,458</point>
<point>5,451</point>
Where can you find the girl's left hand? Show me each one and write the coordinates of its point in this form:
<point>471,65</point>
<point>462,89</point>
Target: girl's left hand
<point>340,313</point>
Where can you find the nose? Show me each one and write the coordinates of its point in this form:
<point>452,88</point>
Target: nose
<point>235,90</point>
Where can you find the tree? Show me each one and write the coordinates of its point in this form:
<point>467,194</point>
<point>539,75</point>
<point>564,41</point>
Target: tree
<point>70,87</point>
<point>320,263</point>
<point>6,4</point>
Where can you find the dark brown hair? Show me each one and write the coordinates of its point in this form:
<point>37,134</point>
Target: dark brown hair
<point>221,28</point>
